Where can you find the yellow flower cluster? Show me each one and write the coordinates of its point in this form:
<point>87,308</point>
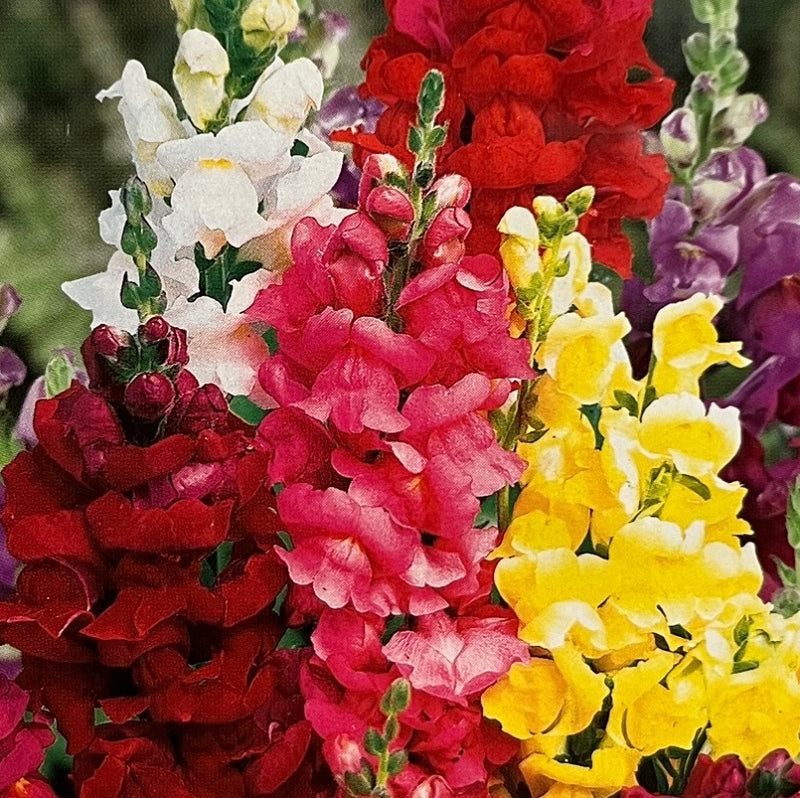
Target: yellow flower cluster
<point>623,560</point>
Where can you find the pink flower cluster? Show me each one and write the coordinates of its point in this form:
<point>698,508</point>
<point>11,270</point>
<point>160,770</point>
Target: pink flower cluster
<point>381,449</point>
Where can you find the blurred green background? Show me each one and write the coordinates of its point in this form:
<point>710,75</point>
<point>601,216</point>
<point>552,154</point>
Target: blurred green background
<point>61,151</point>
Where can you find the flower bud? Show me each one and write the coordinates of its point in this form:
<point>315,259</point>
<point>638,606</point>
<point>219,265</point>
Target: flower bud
<point>201,66</point>
<point>777,774</point>
<point>149,396</point>
<point>725,777</point>
<point>267,22</point>
<point>452,191</point>
<point>379,169</point>
<point>580,200</point>
<point>520,246</point>
<point>734,124</point>
<point>185,11</point>
<point>444,240</point>
<point>679,138</point>
<point>343,754</point>
<point>154,329</point>
<point>108,341</point>
<point>391,210</point>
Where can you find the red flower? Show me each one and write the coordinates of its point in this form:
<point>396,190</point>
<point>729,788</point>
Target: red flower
<point>543,96</point>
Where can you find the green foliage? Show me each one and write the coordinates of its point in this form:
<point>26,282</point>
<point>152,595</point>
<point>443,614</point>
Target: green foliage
<point>218,273</point>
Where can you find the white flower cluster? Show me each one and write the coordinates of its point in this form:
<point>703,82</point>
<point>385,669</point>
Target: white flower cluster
<point>240,186</point>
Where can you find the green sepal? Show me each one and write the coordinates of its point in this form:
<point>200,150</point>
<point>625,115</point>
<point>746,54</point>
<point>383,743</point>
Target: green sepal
<point>374,742</point>
<point>397,761</point>
<point>356,784</point>
<point>415,140</point>
<point>627,402</point>
<point>216,274</point>
<point>58,375</point>
<point>693,484</point>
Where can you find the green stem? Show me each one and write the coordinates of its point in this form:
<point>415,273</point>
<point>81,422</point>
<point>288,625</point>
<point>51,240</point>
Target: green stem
<point>504,508</point>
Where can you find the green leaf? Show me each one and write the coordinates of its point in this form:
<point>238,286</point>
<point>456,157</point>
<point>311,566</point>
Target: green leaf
<point>247,410</point>
<point>788,576</point>
<point>627,402</point>
<point>286,539</point>
<point>216,274</point>
<point>742,629</point>
<point>299,148</point>
<point>397,761</point>
<point>150,284</point>
<point>271,339</point>
<point>694,485</point>
<point>129,242</point>
<point>129,294</point>
<point>592,414</point>
<point>393,625</point>
<point>744,665</point>
<point>374,743</point>
<point>793,515</point>
<point>293,638</point>
<point>438,136</point>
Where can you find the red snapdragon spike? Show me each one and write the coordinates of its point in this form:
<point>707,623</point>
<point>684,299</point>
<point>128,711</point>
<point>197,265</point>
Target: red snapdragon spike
<point>541,99</point>
<point>149,396</point>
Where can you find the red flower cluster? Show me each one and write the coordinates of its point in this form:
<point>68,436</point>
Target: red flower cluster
<point>144,610</point>
<point>383,448</point>
<point>543,96</point>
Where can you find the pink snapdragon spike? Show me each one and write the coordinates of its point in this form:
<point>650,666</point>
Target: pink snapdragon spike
<point>383,449</point>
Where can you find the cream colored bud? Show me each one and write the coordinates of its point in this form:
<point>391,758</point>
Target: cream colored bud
<point>265,22</point>
<point>201,66</point>
<point>185,11</point>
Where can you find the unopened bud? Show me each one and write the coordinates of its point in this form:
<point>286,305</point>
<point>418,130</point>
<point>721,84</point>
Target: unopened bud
<point>154,329</point>
<point>108,341</point>
<point>580,200</point>
<point>149,396</point>
<point>520,246</point>
<point>135,198</point>
<point>201,66</point>
<point>734,124</point>
<point>444,240</point>
<point>391,209</point>
<point>452,191</point>
<point>679,138</point>
<point>267,22</point>
<point>726,776</point>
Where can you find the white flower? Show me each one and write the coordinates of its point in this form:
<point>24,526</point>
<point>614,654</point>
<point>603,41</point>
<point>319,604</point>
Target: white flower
<point>214,203</point>
<point>201,66</point>
<point>287,95</point>
<point>150,118</point>
<point>259,150</point>
<point>100,294</point>
<point>223,348</point>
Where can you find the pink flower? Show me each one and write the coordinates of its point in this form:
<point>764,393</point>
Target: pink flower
<point>456,658</point>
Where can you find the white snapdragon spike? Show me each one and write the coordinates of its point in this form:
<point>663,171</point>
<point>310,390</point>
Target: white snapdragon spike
<point>201,67</point>
<point>287,96</point>
<point>150,118</point>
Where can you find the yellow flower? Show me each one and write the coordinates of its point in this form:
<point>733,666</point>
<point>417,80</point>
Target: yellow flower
<point>676,426</point>
<point>557,696</point>
<point>201,66</point>
<point>677,576</point>
<point>551,501</point>
<point>583,354</point>
<point>612,768</point>
<point>685,344</point>
<point>647,715</point>
<point>533,532</point>
<point>719,512</point>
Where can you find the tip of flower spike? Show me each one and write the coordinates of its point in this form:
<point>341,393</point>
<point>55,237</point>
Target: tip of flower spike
<point>149,396</point>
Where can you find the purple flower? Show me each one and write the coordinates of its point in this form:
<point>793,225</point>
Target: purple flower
<point>723,179</point>
<point>345,108</point>
<point>686,263</point>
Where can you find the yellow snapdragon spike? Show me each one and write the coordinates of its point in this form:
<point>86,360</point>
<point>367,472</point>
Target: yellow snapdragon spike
<point>685,344</point>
